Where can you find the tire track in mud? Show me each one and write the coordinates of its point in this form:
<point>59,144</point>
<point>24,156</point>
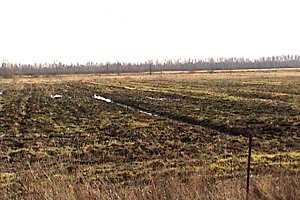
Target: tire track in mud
<point>11,118</point>
<point>142,108</point>
<point>4,95</point>
<point>15,115</point>
<point>244,103</point>
<point>179,118</point>
<point>227,116</point>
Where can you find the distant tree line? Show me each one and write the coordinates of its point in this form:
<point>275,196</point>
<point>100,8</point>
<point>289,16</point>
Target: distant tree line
<point>284,61</point>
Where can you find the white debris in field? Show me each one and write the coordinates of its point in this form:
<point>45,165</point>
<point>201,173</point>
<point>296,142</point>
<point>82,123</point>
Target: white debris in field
<point>144,112</point>
<point>1,93</point>
<point>158,99</point>
<point>56,96</point>
<point>102,98</point>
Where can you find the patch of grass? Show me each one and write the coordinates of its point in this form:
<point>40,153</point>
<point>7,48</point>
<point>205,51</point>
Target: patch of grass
<point>7,178</point>
<point>171,186</point>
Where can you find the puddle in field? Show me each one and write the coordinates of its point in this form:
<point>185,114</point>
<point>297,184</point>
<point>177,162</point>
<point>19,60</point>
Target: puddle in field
<point>147,113</point>
<point>102,99</point>
<point>122,105</point>
<point>157,99</point>
<point>56,96</point>
<point>141,111</point>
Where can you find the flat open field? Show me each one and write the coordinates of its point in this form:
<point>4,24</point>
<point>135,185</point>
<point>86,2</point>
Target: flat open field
<point>130,127</point>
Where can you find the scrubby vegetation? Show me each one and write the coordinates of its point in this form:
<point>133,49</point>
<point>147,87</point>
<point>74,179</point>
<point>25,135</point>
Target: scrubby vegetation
<point>40,185</point>
<point>9,69</point>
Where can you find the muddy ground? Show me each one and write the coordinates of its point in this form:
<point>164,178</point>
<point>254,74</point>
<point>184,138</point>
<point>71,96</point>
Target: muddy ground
<point>155,125</point>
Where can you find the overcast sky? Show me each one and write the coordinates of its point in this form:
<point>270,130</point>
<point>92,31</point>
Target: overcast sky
<point>138,30</point>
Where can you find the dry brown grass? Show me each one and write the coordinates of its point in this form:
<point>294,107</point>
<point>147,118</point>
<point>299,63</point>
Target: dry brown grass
<point>45,187</point>
<point>168,75</point>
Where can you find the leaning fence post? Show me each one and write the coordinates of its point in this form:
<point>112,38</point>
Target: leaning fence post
<point>249,164</point>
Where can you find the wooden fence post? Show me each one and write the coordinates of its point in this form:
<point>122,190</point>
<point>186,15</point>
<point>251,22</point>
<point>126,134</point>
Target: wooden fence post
<point>249,164</point>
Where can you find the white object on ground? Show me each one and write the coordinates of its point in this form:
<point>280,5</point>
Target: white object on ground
<point>1,93</point>
<point>144,112</point>
<point>102,98</point>
<point>56,96</point>
<point>158,99</point>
